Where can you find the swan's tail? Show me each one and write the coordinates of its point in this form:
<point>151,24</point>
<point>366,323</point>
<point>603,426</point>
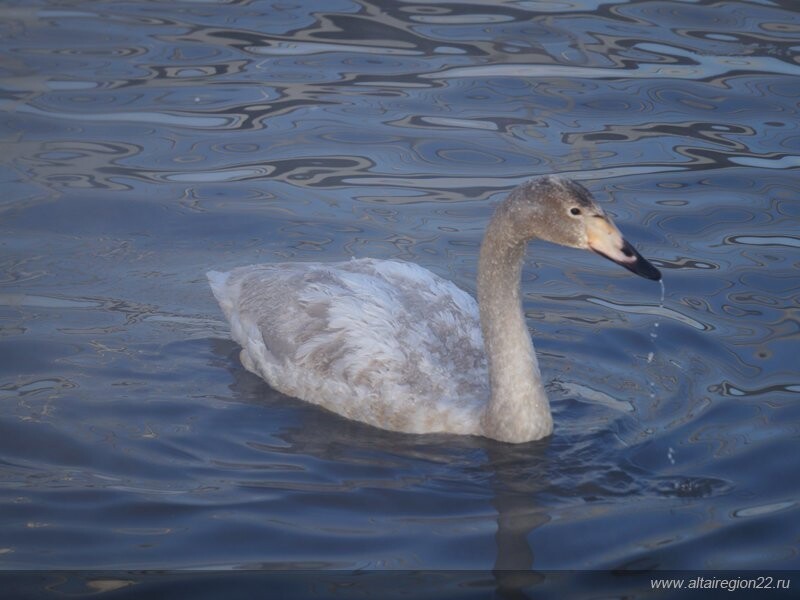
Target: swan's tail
<point>218,281</point>
<point>224,293</point>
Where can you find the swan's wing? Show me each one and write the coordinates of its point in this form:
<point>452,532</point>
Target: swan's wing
<point>384,342</point>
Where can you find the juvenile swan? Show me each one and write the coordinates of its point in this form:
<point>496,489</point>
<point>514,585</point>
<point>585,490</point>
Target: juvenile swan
<point>393,345</point>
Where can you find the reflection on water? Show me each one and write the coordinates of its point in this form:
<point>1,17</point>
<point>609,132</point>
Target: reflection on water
<point>143,144</point>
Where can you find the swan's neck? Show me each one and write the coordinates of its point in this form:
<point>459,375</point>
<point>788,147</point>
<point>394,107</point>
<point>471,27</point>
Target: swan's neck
<point>518,410</point>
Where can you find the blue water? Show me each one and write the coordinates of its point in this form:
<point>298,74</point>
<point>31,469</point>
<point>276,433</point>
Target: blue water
<point>144,143</point>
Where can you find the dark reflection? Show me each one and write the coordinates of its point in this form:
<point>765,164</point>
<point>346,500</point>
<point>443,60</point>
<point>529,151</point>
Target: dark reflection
<point>516,474</point>
<point>514,498</point>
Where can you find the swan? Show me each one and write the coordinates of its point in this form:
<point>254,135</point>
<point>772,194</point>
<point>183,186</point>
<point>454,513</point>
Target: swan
<point>391,344</point>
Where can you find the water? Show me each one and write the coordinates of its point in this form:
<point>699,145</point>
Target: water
<point>145,143</point>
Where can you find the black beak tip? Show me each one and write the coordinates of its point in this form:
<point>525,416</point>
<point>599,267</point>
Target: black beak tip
<point>641,266</point>
<point>650,272</point>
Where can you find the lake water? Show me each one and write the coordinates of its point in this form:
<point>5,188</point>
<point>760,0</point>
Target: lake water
<point>144,143</point>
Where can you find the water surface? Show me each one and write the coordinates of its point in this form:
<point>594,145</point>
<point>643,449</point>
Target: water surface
<point>144,143</point>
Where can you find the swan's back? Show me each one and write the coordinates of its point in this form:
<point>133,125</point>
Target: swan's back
<point>383,342</point>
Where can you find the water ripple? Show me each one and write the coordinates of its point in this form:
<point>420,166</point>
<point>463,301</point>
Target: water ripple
<point>158,118</point>
<point>145,143</point>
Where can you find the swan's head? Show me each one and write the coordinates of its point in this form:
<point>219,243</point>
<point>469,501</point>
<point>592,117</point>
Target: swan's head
<point>564,212</point>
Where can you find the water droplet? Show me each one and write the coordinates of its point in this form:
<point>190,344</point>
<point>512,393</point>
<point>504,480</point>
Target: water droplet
<point>653,336</point>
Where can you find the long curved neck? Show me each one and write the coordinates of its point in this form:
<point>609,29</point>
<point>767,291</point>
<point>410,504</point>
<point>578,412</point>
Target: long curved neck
<point>518,410</point>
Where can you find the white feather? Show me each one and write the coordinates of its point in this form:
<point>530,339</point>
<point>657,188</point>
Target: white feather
<point>384,342</point>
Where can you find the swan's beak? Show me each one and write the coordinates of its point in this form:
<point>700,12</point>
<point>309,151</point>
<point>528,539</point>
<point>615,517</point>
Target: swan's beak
<point>605,239</point>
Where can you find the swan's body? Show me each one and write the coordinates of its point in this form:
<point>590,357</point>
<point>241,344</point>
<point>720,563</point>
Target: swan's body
<point>358,343</point>
<point>391,344</point>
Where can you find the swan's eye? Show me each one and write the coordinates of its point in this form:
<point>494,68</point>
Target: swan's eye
<point>575,211</point>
